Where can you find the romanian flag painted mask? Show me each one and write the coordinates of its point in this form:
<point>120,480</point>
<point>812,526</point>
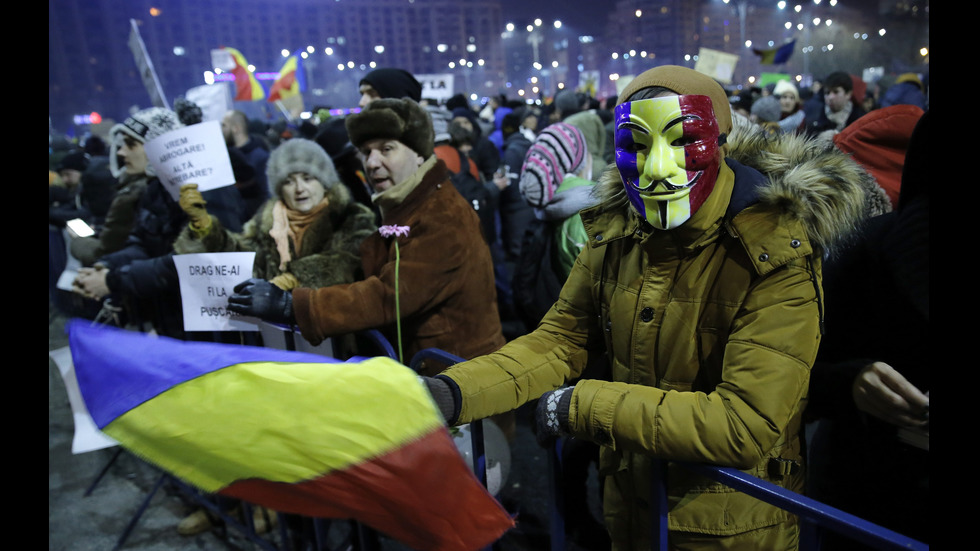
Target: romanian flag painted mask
<point>667,153</point>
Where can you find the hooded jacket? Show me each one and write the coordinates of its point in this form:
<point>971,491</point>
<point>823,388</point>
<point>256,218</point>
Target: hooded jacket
<point>447,298</point>
<point>710,329</point>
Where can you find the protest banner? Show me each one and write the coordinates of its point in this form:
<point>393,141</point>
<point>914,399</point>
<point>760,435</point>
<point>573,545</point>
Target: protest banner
<point>716,64</point>
<point>206,282</point>
<point>437,86</point>
<point>213,99</point>
<point>588,82</point>
<point>195,154</point>
<point>766,79</point>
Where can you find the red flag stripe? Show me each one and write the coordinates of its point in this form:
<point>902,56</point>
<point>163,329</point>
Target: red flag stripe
<point>379,492</point>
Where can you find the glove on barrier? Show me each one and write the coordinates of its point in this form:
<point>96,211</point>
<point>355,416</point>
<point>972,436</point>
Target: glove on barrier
<point>192,202</point>
<point>551,415</point>
<point>261,299</point>
<point>442,395</point>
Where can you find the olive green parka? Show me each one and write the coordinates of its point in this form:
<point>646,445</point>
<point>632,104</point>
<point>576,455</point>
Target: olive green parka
<point>711,329</point>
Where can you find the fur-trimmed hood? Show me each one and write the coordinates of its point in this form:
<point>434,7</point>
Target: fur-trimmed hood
<point>808,179</point>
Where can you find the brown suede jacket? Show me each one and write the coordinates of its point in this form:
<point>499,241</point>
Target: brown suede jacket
<point>447,297</point>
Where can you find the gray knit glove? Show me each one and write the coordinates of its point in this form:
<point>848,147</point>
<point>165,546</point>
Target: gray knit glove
<point>442,395</point>
<point>551,415</point>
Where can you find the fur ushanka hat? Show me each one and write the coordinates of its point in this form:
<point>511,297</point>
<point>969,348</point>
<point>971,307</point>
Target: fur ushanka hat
<point>393,119</point>
<point>299,155</point>
<point>684,81</point>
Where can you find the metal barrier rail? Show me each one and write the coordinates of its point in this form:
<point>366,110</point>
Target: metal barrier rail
<point>814,515</point>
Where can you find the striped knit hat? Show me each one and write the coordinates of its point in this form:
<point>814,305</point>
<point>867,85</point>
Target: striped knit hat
<point>558,150</point>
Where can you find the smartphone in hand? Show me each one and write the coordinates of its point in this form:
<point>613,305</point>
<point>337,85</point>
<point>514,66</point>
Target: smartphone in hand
<point>78,228</point>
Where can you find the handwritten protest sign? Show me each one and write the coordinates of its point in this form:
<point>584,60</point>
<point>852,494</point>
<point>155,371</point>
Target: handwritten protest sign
<point>194,154</point>
<point>206,282</point>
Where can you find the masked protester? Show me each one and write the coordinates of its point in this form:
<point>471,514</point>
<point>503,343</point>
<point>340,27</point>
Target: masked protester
<point>700,281</point>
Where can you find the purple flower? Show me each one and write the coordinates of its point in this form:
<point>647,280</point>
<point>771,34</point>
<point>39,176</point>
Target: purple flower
<point>389,231</point>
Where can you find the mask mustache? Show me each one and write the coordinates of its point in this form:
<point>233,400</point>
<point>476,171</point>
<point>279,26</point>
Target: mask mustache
<point>669,187</point>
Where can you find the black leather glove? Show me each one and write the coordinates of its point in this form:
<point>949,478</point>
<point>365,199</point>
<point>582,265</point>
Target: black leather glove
<point>551,415</point>
<point>263,300</point>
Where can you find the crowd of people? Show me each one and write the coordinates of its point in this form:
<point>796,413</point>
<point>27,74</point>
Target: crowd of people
<point>681,272</point>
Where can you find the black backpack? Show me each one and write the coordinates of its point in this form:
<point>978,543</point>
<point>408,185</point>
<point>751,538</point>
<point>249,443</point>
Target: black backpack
<point>536,283</point>
<point>476,194</point>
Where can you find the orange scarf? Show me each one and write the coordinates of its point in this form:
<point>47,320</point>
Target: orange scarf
<point>290,224</point>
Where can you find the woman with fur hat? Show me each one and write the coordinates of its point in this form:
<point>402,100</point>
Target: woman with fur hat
<point>700,284</point>
<point>307,234</point>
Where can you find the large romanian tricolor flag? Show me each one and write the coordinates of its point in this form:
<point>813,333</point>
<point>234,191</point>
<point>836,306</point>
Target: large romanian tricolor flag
<point>291,80</point>
<point>295,432</point>
<point>247,87</point>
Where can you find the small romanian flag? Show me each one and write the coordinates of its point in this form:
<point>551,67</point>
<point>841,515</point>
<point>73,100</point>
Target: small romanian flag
<point>775,56</point>
<point>295,432</point>
<point>291,80</point>
<point>247,87</point>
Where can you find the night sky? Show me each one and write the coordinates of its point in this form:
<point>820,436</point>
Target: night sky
<point>585,16</point>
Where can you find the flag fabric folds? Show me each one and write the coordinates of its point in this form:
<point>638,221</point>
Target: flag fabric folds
<point>291,80</point>
<point>247,87</point>
<point>295,432</point>
<point>775,56</point>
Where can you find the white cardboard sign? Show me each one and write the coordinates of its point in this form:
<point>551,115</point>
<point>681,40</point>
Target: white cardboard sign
<point>437,86</point>
<point>194,154</point>
<point>206,282</point>
<point>88,437</point>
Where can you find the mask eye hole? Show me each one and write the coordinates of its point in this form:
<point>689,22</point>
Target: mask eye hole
<point>684,141</point>
<point>634,148</point>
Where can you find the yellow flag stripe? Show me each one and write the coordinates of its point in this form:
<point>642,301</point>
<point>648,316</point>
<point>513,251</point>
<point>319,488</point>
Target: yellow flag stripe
<point>283,422</point>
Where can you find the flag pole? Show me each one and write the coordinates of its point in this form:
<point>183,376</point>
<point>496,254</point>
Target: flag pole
<point>285,112</point>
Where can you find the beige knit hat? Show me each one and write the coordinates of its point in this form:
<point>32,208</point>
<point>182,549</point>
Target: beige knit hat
<point>685,81</point>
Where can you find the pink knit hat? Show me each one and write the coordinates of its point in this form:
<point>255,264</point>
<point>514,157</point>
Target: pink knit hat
<point>558,150</point>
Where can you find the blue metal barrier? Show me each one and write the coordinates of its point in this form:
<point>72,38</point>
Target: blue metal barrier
<point>476,427</point>
<point>814,516</point>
